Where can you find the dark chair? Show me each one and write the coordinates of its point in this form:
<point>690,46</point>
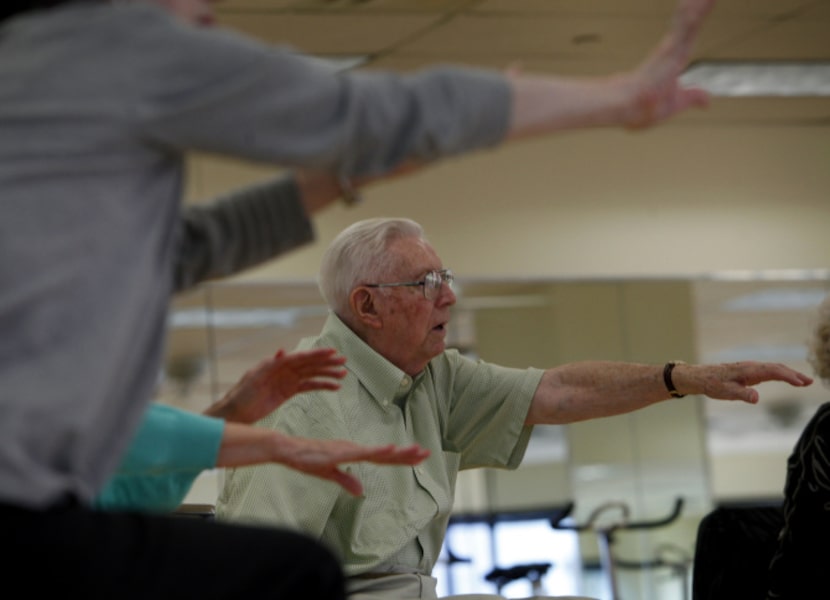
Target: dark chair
<point>733,552</point>
<point>199,511</point>
<point>532,572</point>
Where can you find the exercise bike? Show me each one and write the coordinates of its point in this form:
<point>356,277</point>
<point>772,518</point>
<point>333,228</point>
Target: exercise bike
<point>605,529</point>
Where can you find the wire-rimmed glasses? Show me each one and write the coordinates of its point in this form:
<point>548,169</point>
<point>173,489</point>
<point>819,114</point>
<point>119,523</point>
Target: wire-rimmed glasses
<point>431,283</point>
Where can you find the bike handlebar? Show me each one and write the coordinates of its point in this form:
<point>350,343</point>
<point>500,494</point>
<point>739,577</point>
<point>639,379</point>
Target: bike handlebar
<point>590,523</point>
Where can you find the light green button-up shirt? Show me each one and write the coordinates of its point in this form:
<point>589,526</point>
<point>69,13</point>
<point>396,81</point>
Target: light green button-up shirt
<point>468,413</point>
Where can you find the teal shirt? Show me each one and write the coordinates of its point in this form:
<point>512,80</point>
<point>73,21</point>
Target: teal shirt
<point>468,413</point>
<point>172,447</point>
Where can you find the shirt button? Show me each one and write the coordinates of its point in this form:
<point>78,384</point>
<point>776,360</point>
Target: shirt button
<point>405,382</point>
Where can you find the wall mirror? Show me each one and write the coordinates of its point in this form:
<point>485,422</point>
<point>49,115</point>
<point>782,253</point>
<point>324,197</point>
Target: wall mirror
<point>700,451</point>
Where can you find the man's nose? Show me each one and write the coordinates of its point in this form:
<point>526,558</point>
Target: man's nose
<point>446,295</point>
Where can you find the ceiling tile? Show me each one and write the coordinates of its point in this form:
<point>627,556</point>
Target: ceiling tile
<point>330,34</point>
<point>618,39</point>
<point>578,7</point>
<point>357,6</point>
<point>782,40</point>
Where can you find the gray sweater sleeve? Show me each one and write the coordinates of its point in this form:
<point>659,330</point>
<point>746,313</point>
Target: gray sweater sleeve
<point>211,90</point>
<point>240,230</point>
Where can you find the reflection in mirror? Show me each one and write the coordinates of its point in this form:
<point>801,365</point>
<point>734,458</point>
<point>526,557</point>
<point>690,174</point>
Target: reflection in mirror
<point>767,319</point>
<point>703,451</point>
<point>643,460</point>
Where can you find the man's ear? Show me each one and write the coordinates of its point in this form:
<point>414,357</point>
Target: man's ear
<point>362,301</point>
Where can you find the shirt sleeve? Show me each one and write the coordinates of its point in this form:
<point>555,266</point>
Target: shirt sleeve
<point>171,439</point>
<point>169,451</point>
<point>146,493</point>
<point>240,230</point>
<point>212,90</point>
<point>485,420</point>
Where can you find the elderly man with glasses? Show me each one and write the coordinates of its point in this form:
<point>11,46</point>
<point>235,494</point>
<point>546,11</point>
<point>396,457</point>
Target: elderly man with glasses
<point>390,298</point>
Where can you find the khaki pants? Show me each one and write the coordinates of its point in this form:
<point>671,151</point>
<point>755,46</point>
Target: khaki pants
<point>408,586</point>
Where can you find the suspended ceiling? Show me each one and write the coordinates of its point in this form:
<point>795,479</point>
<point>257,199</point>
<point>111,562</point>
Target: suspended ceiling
<point>569,37</point>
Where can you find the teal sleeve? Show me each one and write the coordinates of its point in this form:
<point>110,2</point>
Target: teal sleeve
<point>146,493</point>
<point>172,447</point>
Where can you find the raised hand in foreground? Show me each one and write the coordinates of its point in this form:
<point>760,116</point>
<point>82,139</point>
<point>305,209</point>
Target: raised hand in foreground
<point>247,445</point>
<point>275,380</point>
<point>639,98</point>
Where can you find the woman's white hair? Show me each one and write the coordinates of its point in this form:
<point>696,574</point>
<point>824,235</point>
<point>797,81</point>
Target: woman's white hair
<point>819,346</point>
<point>358,255</point>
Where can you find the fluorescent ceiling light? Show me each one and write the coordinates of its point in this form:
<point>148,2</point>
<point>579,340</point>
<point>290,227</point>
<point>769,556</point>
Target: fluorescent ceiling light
<point>247,318</point>
<point>339,63</point>
<point>772,275</point>
<point>758,78</point>
<point>777,299</point>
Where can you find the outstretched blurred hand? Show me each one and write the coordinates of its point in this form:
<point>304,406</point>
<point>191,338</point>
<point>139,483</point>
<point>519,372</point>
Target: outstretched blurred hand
<point>655,85</point>
<point>272,382</point>
<point>644,96</point>
<point>244,445</point>
<point>322,458</point>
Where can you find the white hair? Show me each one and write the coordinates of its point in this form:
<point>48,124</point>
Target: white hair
<point>819,346</point>
<point>358,255</point>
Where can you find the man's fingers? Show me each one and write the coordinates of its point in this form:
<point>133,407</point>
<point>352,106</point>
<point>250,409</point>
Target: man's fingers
<point>761,372</point>
<point>795,378</point>
<point>735,381</point>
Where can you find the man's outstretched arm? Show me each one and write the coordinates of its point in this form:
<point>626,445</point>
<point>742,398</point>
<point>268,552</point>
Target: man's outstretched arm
<point>590,389</point>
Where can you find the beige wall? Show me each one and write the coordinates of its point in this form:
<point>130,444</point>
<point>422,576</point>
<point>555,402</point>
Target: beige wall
<point>684,200</point>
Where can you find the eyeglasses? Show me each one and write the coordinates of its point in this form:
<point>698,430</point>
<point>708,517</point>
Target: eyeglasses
<point>431,283</point>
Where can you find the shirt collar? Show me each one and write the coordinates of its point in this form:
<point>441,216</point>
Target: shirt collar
<point>382,379</point>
